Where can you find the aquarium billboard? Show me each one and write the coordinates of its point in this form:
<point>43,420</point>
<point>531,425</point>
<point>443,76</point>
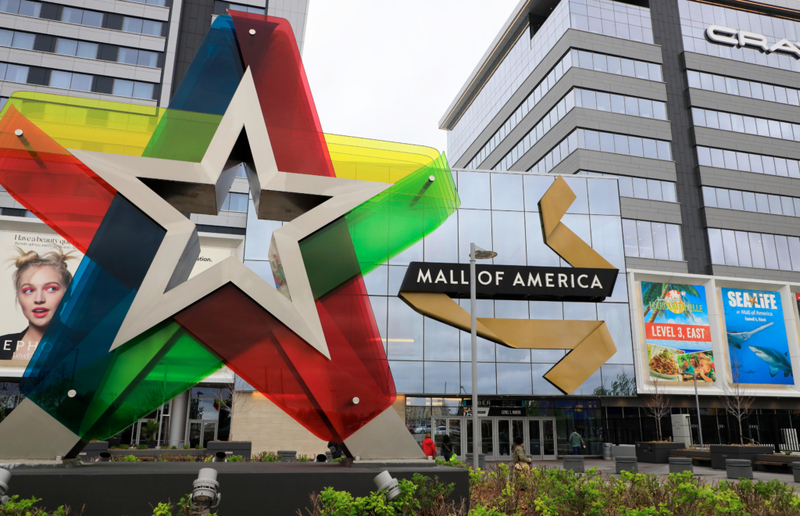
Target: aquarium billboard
<point>677,333</point>
<point>756,333</point>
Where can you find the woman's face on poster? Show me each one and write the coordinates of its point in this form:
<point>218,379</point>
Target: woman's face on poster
<point>40,292</point>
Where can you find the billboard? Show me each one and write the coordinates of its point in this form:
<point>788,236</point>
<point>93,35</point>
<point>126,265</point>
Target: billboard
<point>756,333</point>
<point>677,334</point>
<point>28,305</point>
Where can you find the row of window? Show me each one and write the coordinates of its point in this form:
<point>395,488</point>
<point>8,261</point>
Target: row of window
<point>615,19</point>
<point>644,239</point>
<point>604,142</point>
<point>748,162</point>
<point>235,202</point>
<point>759,250</point>
<point>640,188</point>
<point>159,3</point>
<point>82,16</point>
<point>751,201</point>
<point>588,99</point>
<point>755,126</point>
<point>72,47</point>
<point>75,81</point>
<point>580,59</point>
<point>741,88</point>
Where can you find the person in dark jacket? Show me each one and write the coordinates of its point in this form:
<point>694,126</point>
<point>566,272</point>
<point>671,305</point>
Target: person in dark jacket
<point>447,448</point>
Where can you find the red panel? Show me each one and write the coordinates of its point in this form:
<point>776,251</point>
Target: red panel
<point>289,111</point>
<point>49,181</point>
<point>315,391</point>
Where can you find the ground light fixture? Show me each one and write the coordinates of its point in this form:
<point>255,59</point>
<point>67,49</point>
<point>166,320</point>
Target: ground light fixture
<point>475,253</point>
<point>5,478</point>
<point>220,456</point>
<point>205,494</point>
<point>385,482</point>
<point>104,457</point>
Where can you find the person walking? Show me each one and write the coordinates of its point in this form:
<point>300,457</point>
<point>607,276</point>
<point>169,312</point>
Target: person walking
<point>576,441</point>
<point>447,448</point>
<point>428,446</point>
<point>521,461</point>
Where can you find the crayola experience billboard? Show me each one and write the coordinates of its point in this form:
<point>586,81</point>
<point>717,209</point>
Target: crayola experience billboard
<point>677,334</point>
<point>756,334</point>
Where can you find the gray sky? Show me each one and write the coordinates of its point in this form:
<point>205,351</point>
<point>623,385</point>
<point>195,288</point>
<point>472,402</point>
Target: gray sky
<point>389,69</point>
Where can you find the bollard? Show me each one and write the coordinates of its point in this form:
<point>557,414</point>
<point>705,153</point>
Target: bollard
<point>627,464</point>
<point>574,463</point>
<point>739,468</point>
<point>680,464</point>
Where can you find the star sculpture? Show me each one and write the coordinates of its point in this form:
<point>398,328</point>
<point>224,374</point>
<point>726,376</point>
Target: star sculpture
<point>133,331</point>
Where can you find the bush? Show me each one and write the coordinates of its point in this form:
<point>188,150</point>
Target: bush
<point>26,507</point>
<point>141,447</point>
<point>265,456</point>
<point>304,458</point>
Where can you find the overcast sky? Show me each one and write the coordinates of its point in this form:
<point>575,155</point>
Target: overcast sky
<point>388,69</point>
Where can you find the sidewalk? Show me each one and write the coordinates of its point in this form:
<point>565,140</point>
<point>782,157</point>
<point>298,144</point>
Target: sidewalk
<point>607,467</point>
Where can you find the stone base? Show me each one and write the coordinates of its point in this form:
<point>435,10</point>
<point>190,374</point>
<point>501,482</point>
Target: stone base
<point>135,488</point>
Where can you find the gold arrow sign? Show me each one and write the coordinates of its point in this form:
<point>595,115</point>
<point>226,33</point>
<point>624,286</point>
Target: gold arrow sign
<point>590,341</point>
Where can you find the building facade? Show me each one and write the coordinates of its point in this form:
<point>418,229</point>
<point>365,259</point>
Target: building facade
<point>693,107</point>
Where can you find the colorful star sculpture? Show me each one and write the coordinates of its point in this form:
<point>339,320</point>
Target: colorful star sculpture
<point>133,331</point>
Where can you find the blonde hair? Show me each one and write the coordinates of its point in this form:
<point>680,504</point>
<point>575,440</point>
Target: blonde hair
<point>56,259</point>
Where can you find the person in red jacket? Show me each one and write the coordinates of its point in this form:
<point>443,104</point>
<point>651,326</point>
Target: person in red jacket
<point>428,446</point>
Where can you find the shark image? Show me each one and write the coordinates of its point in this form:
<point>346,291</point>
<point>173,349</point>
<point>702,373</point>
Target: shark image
<point>735,338</point>
<point>776,361</point>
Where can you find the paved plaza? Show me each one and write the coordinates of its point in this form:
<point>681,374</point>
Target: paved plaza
<point>607,467</point>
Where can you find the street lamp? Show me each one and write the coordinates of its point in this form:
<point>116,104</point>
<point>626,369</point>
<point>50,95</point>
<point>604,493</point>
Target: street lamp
<point>475,253</point>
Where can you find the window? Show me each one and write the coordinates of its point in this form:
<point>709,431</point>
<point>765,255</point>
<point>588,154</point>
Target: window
<point>122,88</point>
<point>59,79</point>
<point>87,50</point>
<point>236,202</point>
<point>17,73</point>
<point>128,55</point>
<point>745,162</point>
<point>147,58</point>
<point>758,250</point>
<point>67,47</point>
<point>658,240</point>
<point>23,40</point>
<point>71,15</point>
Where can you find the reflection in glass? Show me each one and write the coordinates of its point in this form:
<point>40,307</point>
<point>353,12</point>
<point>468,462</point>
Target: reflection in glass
<point>404,331</point>
<point>442,377</point>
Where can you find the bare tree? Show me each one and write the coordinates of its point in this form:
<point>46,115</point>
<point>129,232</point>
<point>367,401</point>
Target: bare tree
<point>238,401</point>
<point>737,396</point>
<point>658,406</point>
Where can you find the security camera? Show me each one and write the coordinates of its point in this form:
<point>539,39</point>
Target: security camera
<point>206,493</point>
<point>385,482</point>
<point>5,477</point>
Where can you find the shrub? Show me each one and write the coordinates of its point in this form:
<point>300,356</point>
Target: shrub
<point>304,458</point>
<point>265,456</point>
<point>141,447</point>
<point>27,507</point>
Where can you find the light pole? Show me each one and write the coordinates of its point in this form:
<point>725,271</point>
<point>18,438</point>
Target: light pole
<point>697,402</point>
<point>475,253</point>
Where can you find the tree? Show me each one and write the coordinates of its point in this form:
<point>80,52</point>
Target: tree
<point>737,395</point>
<point>658,406</point>
<point>624,385</point>
<point>234,396</point>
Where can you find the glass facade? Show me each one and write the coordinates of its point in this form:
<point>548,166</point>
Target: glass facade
<point>754,126</point>
<point>644,239</point>
<point>499,211</point>
<point>742,88</point>
<point>751,201</point>
<point>598,16</point>
<point>696,17</point>
<point>759,250</point>
<point>748,162</point>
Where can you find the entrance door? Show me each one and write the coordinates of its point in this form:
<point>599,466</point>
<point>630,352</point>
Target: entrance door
<point>507,431</point>
<point>542,438</point>
<point>450,427</point>
<point>487,436</point>
<point>200,432</point>
<point>535,439</point>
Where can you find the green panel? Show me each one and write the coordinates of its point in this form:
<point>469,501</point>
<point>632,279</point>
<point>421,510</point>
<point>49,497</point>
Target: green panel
<point>329,258</point>
<point>402,215</point>
<point>176,365</point>
<point>380,228</point>
<point>182,136</point>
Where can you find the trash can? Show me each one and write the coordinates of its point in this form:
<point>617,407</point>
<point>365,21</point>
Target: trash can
<point>739,468</point>
<point>481,460</point>
<point>574,463</point>
<point>796,471</point>
<point>607,451</point>
<point>680,464</point>
<point>626,463</point>
<point>287,456</point>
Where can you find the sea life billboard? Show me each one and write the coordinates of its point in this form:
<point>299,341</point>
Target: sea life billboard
<point>756,333</point>
<point>677,334</point>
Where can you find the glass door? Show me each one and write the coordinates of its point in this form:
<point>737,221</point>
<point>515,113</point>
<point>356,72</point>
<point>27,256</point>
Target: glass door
<point>487,436</point>
<point>549,439</point>
<point>535,439</point>
<point>507,431</point>
<point>200,432</point>
<point>450,428</point>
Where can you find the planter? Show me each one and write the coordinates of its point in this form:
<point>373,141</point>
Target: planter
<point>796,471</point>
<point>623,450</point>
<point>680,464</point>
<point>720,453</point>
<point>243,448</point>
<point>142,454</point>
<point>655,452</point>
<point>626,464</point>
<point>287,456</point>
<point>574,463</point>
<point>739,468</point>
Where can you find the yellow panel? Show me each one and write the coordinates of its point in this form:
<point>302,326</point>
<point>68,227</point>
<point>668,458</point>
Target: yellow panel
<point>87,124</point>
<point>375,160</point>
